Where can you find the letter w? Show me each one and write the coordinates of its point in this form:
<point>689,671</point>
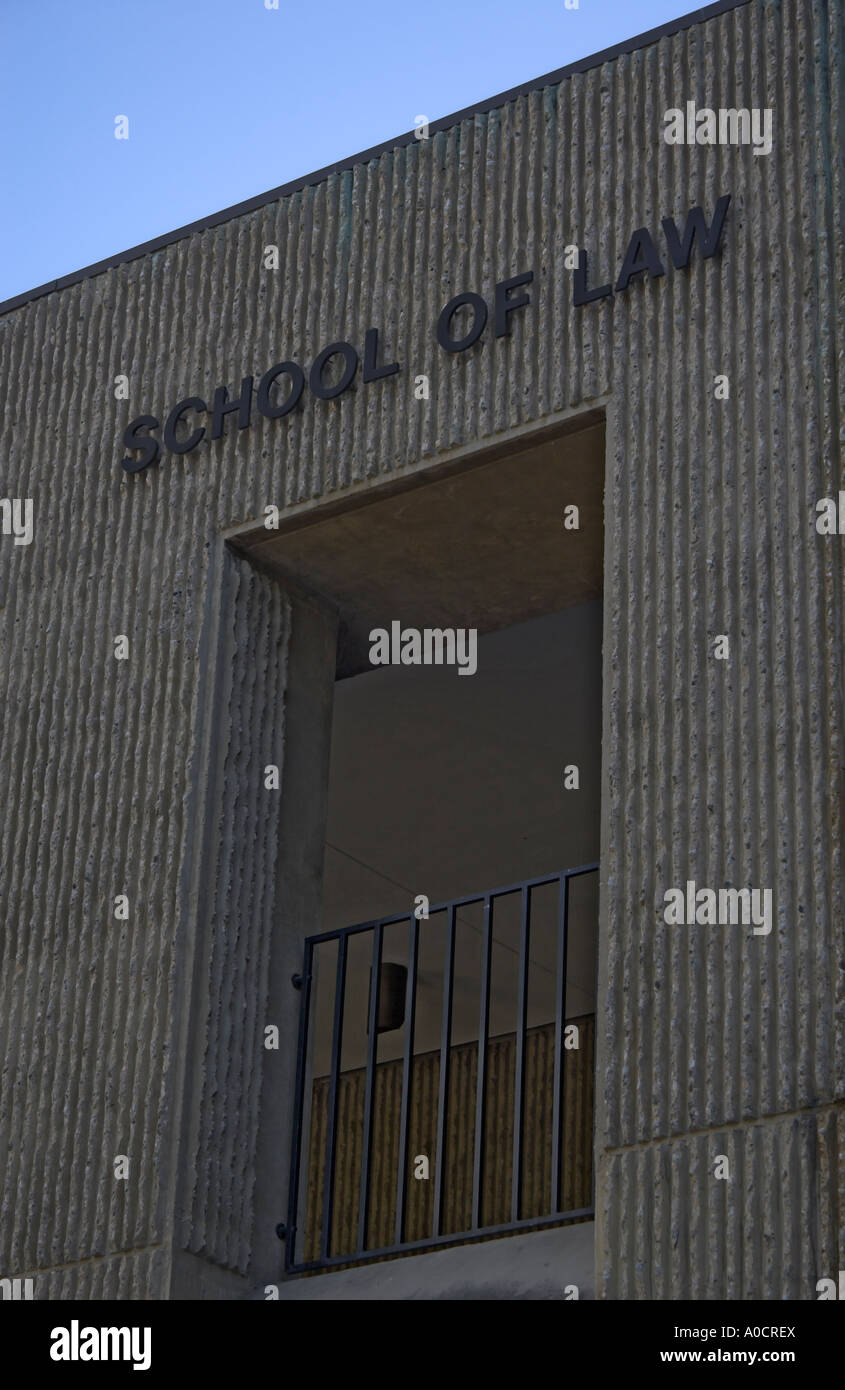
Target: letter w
<point>708,237</point>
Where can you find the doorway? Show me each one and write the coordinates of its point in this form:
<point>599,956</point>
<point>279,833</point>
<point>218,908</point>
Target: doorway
<point>445,1071</point>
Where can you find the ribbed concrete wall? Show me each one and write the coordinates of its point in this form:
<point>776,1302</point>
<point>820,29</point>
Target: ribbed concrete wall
<point>729,772</point>
<point>142,777</point>
<point>769,1233</point>
<point>235,917</point>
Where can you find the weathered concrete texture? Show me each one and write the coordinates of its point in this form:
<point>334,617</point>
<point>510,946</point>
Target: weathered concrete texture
<point>234,885</point>
<point>728,773</point>
<point>769,1228</point>
<point>133,1275</point>
<point>538,1266</point>
<point>142,777</point>
<point>297,879</point>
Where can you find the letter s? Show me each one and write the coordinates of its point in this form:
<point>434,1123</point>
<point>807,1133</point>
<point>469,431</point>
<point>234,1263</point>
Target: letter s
<point>150,448</point>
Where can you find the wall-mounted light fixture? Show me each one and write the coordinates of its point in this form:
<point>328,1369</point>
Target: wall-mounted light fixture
<point>393,983</point>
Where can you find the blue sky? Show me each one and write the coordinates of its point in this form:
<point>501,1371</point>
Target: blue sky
<point>226,99</point>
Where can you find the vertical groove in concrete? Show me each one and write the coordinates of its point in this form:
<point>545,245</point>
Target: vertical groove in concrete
<point>728,773</point>
<point>132,1275</point>
<point>768,1231</point>
<point>745,1011</point>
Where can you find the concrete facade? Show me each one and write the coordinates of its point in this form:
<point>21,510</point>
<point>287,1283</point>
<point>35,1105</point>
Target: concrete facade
<point>143,1037</point>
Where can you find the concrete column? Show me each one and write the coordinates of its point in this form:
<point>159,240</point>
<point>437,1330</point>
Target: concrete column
<point>258,897</point>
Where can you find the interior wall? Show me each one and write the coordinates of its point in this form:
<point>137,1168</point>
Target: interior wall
<point>446,785</point>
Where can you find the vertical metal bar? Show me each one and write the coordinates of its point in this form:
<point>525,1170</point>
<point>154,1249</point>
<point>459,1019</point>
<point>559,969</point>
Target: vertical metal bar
<point>369,1087</point>
<point>331,1124</point>
<point>592,1134</point>
<point>296,1154</point>
<point>519,1077</point>
<point>560,1022</point>
<point>407,1077</point>
<point>443,1090</point>
<point>480,1098</point>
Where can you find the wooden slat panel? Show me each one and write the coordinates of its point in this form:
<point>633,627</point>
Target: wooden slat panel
<point>537,1124</point>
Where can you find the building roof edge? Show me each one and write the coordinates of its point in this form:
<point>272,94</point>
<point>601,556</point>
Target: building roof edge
<point>146,248</point>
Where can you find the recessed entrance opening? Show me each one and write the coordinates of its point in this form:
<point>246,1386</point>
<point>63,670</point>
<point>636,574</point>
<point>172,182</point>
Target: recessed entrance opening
<point>460,882</point>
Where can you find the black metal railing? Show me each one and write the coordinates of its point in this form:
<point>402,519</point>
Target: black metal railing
<point>318,1193</point>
